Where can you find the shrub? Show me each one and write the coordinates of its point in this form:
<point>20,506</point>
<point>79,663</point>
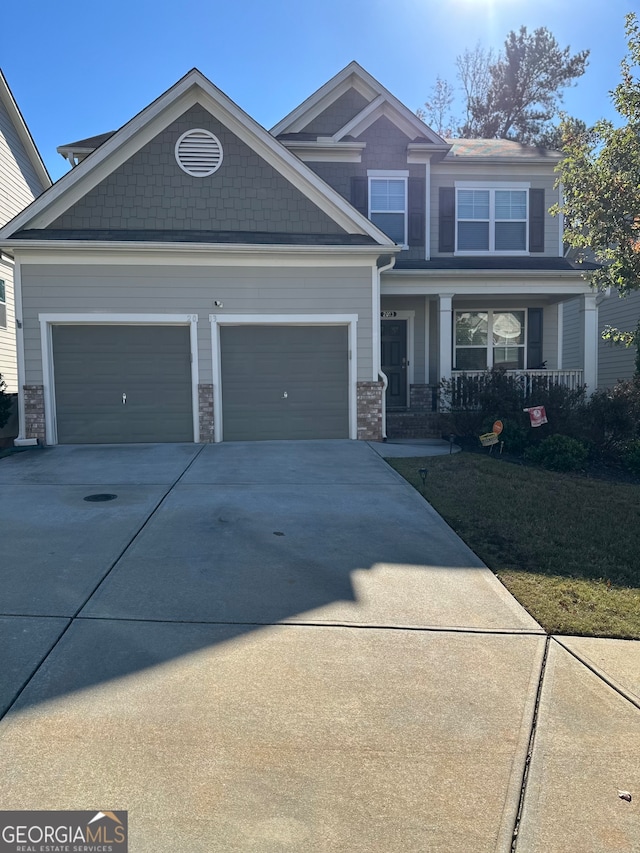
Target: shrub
<point>630,456</point>
<point>559,453</point>
<point>612,417</point>
<point>475,402</point>
<point>5,403</point>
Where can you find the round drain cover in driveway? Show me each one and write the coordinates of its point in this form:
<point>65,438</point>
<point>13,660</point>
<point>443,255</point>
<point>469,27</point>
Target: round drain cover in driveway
<point>100,498</point>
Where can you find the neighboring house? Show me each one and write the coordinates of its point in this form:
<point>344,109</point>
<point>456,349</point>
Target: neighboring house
<point>616,361</point>
<point>23,177</point>
<point>197,278</point>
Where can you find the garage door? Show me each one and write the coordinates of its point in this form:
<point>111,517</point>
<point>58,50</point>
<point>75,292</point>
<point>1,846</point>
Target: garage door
<point>117,384</point>
<point>284,382</point>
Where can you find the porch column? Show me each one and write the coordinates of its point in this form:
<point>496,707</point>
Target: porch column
<point>445,329</point>
<point>589,310</point>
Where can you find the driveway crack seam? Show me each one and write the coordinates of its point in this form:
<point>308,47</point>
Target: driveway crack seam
<point>532,737</point>
<point>600,674</point>
<point>102,580</point>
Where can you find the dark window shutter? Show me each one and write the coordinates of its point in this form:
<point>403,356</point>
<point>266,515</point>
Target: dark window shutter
<point>534,338</point>
<point>447,218</point>
<point>360,194</point>
<point>536,220</point>
<point>416,209</point>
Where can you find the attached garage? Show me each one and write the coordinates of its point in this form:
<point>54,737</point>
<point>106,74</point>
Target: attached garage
<point>122,383</point>
<point>284,381</point>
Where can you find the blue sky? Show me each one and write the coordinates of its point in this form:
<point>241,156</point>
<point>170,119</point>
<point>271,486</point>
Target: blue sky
<point>78,70</point>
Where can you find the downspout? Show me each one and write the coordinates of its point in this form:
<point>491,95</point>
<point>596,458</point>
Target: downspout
<point>381,375</point>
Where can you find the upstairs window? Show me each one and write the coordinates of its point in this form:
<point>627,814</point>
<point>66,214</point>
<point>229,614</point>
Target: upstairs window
<point>492,220</point>
<point>388,206</point>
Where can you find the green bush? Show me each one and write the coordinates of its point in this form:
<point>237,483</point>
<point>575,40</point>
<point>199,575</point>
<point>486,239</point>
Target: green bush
<point>630,456</point>
<point>473,403</point>
<point>559,453</point>
<point>5,403</point>
<point>612,418</point>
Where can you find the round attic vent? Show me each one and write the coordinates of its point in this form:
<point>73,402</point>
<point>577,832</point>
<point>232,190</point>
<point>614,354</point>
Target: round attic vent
<point>199,153</point>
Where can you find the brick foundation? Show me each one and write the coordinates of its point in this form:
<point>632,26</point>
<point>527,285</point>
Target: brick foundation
<point>34,412</point>
<point>423,397</point>
<point>370,411</point>
<point>205,413</point>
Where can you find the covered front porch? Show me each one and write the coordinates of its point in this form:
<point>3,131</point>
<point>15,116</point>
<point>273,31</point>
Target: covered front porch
<point>544,331</point>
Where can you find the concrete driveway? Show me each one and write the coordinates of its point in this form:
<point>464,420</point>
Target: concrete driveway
<point>281,647</point>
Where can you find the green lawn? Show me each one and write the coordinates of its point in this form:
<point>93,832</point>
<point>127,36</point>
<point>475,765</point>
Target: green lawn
<point>566,546</point>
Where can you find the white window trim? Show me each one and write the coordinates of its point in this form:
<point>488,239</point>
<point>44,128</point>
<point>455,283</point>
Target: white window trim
<point>46,340</point>
<point>397,175</point>
<point>349,320</point>
<point>490,345</point>
<point>492,186</point>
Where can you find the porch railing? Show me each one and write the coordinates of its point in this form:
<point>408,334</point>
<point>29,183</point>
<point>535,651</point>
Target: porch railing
<point>466,385</point>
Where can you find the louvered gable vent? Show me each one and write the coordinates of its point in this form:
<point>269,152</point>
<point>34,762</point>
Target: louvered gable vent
<point>199,153</point>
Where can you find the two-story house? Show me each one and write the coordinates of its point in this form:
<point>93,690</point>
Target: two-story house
<point>197,278</point>
<point>23,177</point>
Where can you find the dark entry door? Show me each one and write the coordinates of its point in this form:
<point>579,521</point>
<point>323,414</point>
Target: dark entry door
<point>393,338</point>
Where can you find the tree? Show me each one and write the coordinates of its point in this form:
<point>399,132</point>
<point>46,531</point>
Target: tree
<point>516,93</point>
<point>526,87</point>
<point>437,110</point>
<point>600,177</point>
<point>474,73</point>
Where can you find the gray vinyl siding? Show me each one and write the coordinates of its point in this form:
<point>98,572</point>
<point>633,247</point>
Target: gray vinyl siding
<point>150,191</point>
<point>19,183</point>
<point>445,175</point>
<point>192,290</point>
<point>572,336</point>
<point>617,361</point>
<point>550,336</point>
<point>342,110</point>
<point>8,358</point>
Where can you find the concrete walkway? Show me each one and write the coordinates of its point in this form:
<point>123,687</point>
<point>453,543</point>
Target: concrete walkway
<point>281,647</point>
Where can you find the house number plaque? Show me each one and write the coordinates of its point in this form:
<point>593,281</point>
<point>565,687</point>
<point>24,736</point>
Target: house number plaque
<point>388,315</point>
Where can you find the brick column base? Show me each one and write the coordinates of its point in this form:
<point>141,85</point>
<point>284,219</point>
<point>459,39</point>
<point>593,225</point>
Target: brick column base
<point>370,411</point>
<point>34,412</point>
<point>205,413</point>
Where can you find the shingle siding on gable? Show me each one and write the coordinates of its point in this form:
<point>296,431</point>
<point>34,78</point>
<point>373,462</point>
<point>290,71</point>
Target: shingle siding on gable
<point>150,191</point>
<point>342,110</point>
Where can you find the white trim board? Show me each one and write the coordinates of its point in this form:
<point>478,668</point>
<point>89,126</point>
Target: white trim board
<point>106,319</point>
<point>349,320</point>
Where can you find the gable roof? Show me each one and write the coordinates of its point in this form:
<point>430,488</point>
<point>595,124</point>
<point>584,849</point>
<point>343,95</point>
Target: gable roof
<point>499,149</point>
<point>379,102</point>
<point>9,102</point>
<point>73,151</point>
<point>193,88</point>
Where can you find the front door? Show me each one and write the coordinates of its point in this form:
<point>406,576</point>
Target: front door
<point>393,340</point>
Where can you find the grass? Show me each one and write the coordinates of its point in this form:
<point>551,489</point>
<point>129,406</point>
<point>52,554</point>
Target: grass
<point>566,546</point>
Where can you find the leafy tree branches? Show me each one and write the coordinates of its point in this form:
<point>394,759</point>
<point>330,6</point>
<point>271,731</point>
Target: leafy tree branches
<point>514,94</point>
